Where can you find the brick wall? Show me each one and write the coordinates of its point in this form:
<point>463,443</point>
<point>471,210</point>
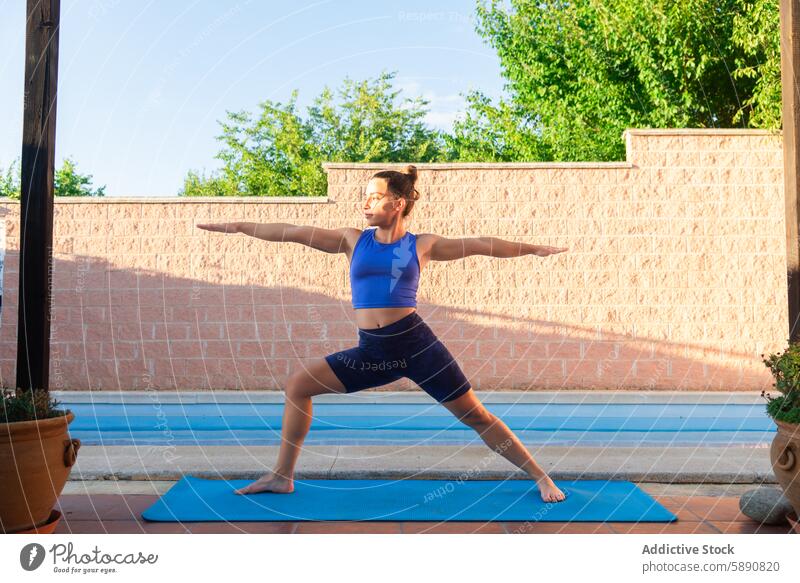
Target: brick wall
<point>675,278</point>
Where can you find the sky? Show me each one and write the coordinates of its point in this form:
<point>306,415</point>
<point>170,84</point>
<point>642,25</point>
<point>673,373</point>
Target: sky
<point>142,86</point>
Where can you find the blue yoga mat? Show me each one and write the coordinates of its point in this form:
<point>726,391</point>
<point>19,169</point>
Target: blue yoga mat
<point>204,500</point>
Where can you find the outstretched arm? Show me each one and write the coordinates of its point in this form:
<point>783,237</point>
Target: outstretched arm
<point>328,240</point>
<point>443,249</point>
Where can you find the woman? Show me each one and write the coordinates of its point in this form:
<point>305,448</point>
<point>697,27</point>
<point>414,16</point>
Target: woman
<point>394,341</point>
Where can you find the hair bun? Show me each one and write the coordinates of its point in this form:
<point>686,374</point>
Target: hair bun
<point>411,170</point>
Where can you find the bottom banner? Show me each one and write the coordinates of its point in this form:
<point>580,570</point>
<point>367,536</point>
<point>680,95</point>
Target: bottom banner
<point>396,557</point>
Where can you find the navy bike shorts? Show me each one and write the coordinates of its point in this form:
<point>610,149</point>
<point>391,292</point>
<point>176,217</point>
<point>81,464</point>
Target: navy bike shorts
<point>407,348</point>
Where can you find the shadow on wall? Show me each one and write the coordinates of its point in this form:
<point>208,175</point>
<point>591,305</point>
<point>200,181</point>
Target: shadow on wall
<point>125,329</point>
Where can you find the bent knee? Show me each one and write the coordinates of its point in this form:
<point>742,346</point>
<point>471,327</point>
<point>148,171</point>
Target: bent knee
<point>297,386</point>
<point>307,382</point>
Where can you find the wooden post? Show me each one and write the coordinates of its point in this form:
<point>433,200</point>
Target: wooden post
<point>790,59</point>
<point>36,196</point>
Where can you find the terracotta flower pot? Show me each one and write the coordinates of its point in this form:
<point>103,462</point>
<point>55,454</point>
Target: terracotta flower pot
<point>36,458</point>
<point>793,520</point>
<point>48,527</point>
<point>785,456</point>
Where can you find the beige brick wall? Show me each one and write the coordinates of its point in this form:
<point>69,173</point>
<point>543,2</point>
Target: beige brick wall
<point>675,278</point>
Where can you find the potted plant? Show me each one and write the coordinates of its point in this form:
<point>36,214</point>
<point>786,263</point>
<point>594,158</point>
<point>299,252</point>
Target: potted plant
<point>785,412</point>
<point>36,457</point>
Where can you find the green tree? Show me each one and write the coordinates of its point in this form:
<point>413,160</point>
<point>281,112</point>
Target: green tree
<point>67,181</point>
<point>578,73</point>
<point>756,30</point>
<point>9,180</point>
<point>280,152</point>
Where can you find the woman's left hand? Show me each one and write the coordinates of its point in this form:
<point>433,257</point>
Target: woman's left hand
<point>544,251</point>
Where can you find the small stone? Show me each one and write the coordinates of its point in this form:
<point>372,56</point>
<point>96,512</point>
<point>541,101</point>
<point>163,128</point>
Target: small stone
<point>766,505</point>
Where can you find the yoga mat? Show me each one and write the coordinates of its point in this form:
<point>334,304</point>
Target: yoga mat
<point>204,500</point>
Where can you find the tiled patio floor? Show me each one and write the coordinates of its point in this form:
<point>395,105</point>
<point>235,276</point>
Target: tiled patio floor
<point>121,513</point>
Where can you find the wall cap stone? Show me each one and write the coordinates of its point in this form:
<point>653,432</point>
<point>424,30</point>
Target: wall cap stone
<point>183,200</point>
<point>700,131</point>
<point>472,165</point>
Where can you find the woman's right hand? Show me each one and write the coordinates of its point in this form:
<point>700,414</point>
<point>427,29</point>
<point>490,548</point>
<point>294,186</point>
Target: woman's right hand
<point>220,227</point>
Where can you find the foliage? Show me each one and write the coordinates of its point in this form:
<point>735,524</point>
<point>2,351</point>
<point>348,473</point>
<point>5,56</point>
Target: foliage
<point>504,132</point>
<point>280,152</point>
<point>785,368</point>
<point>28,406</point>
<point>67,181</point>
<point>780,410</point>
<point>756,30</point>
<point>579,73</point>
<point>9,181</point>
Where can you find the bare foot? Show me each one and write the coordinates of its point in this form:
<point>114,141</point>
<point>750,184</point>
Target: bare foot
<point>270,482</point>
<point>549,491</point>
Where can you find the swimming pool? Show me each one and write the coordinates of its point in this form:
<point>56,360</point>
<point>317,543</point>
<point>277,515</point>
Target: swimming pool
<point>421,423</point>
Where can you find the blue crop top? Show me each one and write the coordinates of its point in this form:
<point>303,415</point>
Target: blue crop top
<point>384,275</point>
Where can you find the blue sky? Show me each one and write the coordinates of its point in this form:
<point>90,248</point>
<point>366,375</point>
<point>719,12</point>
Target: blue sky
<point>143,84</point>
